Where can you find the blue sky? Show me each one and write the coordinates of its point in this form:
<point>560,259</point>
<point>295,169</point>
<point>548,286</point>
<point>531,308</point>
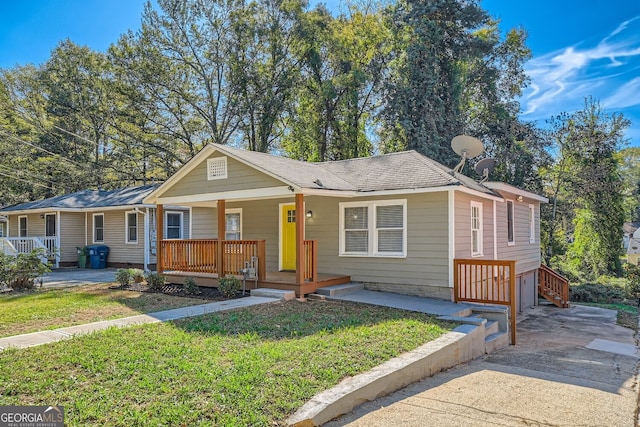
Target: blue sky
<point>580,48</point>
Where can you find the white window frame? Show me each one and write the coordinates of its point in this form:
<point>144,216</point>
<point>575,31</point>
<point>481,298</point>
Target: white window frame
<point>479,251</point>
<point>2,226</point>
<point>55,224</point>
<point>166,224</point>
<point>95,229</point>
<point>217,162</point>
<point>126,228</point>
<point>372,231</point>
<point>232,211</point>
<point>26,226</point>
<point>532,223</point>
<point>513,222</point>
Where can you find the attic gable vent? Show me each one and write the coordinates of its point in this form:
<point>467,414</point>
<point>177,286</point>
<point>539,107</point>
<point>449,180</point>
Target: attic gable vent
<point>217,168</point>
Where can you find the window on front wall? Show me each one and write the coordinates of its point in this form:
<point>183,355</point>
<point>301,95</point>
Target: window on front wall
<point>131,226</point>
<point>98,228</point>
<point>476,229</point>
<point>2,229</point>
<point>510,231</point>
<point>22,226</point>
<point>174,225</point>
<point>233,224</point>
<point>373,228</point>
<point>532,224</point>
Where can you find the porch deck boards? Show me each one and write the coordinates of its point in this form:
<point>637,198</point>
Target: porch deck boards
<point>284,280</point>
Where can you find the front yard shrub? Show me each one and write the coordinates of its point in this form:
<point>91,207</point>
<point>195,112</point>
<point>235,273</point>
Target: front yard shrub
<point>20,271</point>
<point>190,286</point>
<point>155,280</point>
<point>137,275</point>
<point>123,276</point>
<point>229,286</point>
<point>596,293</point>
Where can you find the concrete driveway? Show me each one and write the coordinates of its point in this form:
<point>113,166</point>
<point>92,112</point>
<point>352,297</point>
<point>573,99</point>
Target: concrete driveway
<point>64,277</point>
<point>571,367</point>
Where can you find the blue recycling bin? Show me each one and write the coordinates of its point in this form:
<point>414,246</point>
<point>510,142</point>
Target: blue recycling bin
<point>98,256</point>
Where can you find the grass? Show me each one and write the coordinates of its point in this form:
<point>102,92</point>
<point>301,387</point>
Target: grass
<point>22,313</point>
<point>249,367</point>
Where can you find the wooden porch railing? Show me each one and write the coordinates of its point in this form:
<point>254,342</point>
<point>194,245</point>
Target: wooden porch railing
<point>311,260</point>
<point>200,256</point>
<point>553,286</point>
<point>487,282</point>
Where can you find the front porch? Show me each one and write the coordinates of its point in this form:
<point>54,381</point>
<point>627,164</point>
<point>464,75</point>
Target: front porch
<point>208,259</point>
<point>48,245</point>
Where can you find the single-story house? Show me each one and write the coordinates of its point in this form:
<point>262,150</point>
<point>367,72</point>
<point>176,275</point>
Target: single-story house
<point>395,222</point>
<point>117,218</point>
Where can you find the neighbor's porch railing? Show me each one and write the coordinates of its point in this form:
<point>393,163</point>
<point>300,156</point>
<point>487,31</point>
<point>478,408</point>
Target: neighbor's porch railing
<point>311,260</point>
<point>25,245</point>
<point>553,286</point>
<point>201,256</point>
<point>488,282</point>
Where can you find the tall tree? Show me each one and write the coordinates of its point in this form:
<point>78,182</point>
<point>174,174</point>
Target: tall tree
<point>587,178</point>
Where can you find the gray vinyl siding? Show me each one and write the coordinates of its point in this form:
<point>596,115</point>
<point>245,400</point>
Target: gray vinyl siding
<point>114,237</point>
<point>35,225</point>
<point>462,224</point>
<point>239,177</point>
<point>204,223</point>
<point>71,235</point>
<point>526,254</point>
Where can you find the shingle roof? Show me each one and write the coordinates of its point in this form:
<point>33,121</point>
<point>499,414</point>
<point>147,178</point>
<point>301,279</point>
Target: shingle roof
<point>394,171</point>
<point>89,199</point>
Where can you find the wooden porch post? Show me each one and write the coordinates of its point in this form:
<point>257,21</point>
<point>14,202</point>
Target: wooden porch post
<point>221,235</point>
<point>300,239</point>
<point>159,238</point>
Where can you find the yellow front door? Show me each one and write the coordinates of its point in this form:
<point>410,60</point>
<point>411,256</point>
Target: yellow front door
<point>288,237</point>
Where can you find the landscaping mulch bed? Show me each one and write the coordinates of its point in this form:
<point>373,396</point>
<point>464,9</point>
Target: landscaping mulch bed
<point>204,293</point>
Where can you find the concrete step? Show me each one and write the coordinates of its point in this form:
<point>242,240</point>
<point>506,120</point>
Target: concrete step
<point>273,293</point>
<point>491,327</point>
<point>496,341</point>
<point>338,290</point>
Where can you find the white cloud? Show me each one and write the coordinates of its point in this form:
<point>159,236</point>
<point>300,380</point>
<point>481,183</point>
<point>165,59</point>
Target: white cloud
<point>560,80</point>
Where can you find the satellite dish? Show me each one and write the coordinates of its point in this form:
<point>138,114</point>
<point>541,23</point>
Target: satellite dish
<point>484,168</point>
<point>467,147</point>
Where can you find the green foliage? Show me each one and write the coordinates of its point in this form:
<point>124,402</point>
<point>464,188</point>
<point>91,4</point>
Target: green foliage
<point>596,293</point>
<point>229,286</point>
<point>137,275</point>
<point>191,286</point>
<point>155,280</point>
<point>123,276</point>
<point>19,272</point>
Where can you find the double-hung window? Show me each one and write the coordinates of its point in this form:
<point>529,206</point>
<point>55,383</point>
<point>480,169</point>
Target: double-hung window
<point>233,224</point>
<point>532,224</point>
<point>98,228</point>
<point>374,228</point>
<point>174,225</point>
<point>511,239</point>
<point>131,226</point>
<point>476,229</point>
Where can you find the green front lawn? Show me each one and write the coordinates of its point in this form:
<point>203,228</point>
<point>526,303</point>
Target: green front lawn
<point>249,367</point>
<point>22,313</point>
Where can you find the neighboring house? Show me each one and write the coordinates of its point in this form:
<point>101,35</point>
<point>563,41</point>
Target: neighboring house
<point>395,222</point>
<point>117,219</point>
<point>628,229</point>
<point>633,246</point>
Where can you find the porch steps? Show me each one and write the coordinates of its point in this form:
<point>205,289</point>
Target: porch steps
<point>339,290</point>
<point>273,293</point>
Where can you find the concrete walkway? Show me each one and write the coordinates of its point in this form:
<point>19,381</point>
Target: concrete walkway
<point>45,337</point>
<point>571,367</point>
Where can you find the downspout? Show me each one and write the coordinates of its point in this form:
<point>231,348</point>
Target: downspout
<point>58,233</point>
<point>146,238</point>
<point>495,232</point>
<point>452,236</point>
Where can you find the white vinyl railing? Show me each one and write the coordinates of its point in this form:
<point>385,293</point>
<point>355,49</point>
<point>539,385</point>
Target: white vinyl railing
<point>25,245</point>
